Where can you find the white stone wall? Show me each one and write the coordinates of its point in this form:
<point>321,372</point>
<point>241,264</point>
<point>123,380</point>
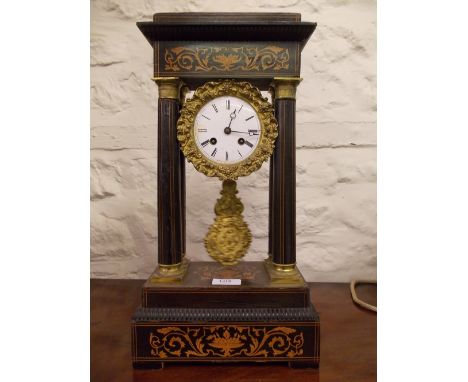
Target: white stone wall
<point>336,143</point>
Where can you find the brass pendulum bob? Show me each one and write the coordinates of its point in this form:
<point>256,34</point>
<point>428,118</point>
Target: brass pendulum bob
<point>229,236</point>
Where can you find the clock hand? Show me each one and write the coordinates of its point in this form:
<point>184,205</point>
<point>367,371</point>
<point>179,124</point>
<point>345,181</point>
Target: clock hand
<point>250,132</point>
<point>232,115</point>
<point>227,130</point>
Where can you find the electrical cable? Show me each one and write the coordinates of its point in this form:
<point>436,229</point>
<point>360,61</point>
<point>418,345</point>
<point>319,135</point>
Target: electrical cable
<point>356,299</point>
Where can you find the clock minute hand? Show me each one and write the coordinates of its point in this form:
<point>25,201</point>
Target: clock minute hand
<point>250,132</point>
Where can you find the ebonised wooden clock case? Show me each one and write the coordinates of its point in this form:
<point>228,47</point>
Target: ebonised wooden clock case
<point>270,317</point>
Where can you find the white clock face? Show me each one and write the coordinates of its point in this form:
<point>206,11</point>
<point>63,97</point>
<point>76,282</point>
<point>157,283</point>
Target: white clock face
<point>227,130</point>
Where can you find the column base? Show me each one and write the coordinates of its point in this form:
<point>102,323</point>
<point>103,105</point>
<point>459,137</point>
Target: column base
<point>173,273</point>
<point>283,274</point>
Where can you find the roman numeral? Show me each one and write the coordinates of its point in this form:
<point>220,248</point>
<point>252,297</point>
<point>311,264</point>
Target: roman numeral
<point>253,132</point>
<point>205,143</point>
<point>248,144</point>
<point>203,130</point>
<point>214,107</point>
<point>206,117</point>
<point>227,156</point>
<point>214,152</point>
<point>249,118</point>
<point>228,104</point>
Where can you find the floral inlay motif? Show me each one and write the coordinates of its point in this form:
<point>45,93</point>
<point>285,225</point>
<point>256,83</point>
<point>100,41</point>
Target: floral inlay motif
<point>226,342</point>
<point>222,59</point>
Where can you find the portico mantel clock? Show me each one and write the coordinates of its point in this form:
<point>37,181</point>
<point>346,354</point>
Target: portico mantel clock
<point>228,309</point>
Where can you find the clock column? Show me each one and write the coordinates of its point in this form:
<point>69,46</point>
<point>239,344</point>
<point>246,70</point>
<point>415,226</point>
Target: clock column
<point>282,236</point>
<point>171,182</point>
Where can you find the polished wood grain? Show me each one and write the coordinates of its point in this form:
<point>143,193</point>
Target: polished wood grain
<point>171,185</point>
<point>348,340</point>
<point>196,290</point>
<point>283,183</point>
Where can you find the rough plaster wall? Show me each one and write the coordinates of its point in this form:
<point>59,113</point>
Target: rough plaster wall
<point>336,143</point>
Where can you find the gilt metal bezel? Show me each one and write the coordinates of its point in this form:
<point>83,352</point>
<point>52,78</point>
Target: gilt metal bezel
<point>203,95</point>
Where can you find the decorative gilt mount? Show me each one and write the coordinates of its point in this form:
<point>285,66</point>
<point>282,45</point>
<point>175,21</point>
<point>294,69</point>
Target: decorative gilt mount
<point>229,236</point>
<point>204,94</point>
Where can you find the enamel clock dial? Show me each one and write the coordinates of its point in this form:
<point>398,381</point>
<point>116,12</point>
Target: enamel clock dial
<point>227,130</point>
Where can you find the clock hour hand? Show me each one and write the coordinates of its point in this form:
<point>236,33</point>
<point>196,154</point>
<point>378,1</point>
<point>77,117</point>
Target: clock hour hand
<point>232,115</point>
<point>227,130</point>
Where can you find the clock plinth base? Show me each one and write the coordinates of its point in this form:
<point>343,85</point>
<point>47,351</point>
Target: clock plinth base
<point>194,321</point>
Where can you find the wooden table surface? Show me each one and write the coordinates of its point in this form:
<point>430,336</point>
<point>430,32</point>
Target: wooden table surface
<point>348,340</point>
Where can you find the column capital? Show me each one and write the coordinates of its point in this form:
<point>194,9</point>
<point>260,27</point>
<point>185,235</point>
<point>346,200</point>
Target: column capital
<point>169,87</point>
<point>285,87</point>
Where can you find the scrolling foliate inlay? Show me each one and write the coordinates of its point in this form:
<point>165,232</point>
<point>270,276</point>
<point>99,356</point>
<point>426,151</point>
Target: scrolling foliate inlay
<point>226,342</point>
<point>222,59</point>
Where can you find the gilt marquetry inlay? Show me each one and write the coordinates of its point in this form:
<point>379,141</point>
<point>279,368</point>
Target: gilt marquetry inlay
<point>226,342</point>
